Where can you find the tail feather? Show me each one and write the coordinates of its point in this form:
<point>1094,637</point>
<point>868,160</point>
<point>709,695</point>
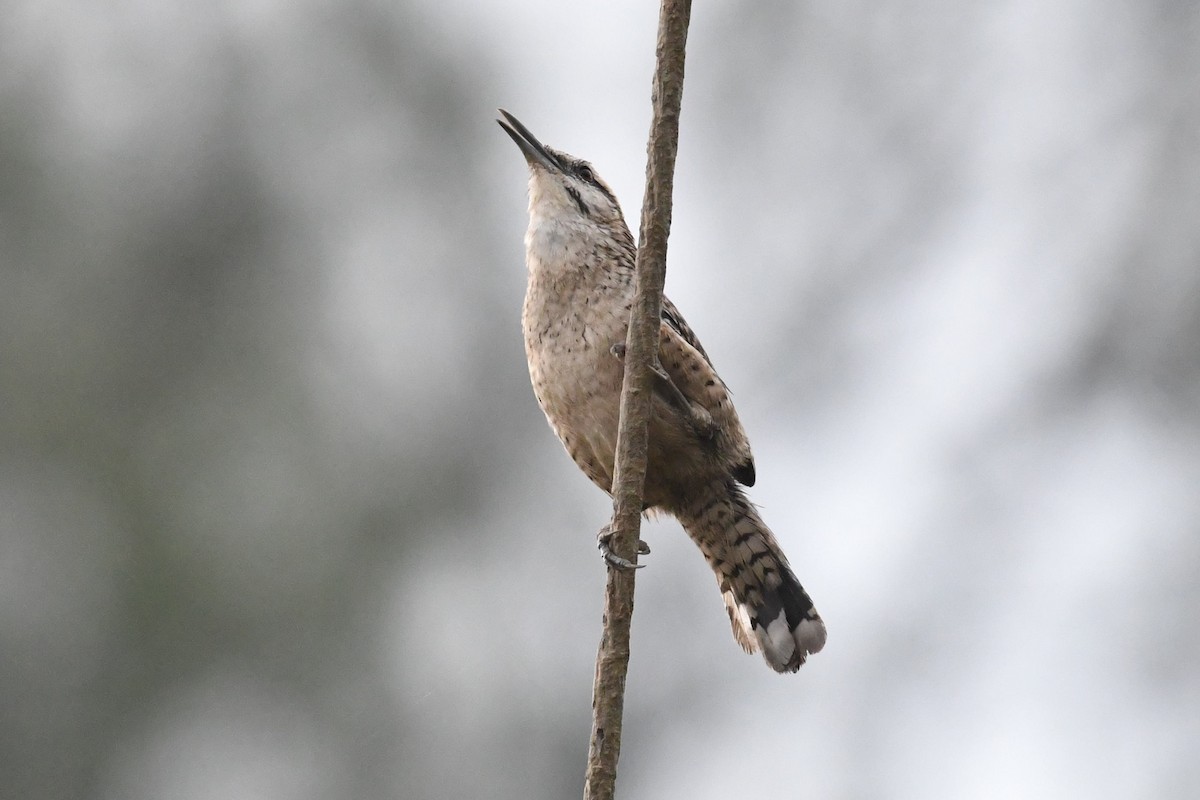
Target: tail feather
<point>768,608</point>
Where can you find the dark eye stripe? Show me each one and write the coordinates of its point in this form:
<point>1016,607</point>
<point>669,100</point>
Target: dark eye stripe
<point>583,209</point>
<point>587,174</point>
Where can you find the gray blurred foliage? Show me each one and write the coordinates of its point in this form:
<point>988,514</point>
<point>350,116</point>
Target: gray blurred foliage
<point>279,517</point>
<point>225,426</point>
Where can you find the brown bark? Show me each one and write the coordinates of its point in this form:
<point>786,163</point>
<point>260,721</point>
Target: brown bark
<point>612,659</point>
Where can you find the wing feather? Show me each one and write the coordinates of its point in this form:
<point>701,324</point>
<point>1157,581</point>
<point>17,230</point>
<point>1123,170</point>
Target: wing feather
<point>690,368</point>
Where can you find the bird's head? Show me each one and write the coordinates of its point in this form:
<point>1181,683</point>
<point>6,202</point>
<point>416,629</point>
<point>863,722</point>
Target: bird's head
<point>562,187</point>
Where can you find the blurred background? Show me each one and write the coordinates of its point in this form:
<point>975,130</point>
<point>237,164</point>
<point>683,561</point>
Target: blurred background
<point>280,517</point>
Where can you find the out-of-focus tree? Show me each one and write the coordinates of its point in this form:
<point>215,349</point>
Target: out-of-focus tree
<point>279,516</point>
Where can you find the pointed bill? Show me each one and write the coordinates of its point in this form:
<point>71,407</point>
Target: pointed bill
<point>535,152</point>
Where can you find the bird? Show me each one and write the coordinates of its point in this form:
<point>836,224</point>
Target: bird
<point>580,258</point>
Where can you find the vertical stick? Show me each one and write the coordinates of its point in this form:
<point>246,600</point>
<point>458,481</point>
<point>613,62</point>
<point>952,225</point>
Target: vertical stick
<point>612,660</point>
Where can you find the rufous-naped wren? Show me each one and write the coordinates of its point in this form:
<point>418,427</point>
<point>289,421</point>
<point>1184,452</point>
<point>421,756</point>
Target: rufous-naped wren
<point>580,256</point>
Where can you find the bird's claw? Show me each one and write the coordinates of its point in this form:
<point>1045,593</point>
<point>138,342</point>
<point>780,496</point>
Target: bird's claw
<point>603,541</point>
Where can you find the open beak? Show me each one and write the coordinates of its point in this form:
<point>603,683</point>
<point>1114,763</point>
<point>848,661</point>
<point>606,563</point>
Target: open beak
<point>535,152</point>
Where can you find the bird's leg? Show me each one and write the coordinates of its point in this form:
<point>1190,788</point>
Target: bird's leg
<point>604,542</point>
<point>699,418</point>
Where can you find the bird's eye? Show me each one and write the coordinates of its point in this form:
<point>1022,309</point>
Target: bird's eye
<point>586,173</point>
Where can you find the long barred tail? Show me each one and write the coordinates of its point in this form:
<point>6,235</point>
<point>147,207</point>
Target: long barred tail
<point>768,608</point>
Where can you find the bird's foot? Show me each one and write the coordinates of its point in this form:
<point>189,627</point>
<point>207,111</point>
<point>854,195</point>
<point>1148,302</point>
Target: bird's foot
<point>604,542</point>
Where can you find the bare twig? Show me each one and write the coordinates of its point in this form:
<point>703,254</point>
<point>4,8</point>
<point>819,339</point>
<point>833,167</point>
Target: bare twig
<point>612,660</point>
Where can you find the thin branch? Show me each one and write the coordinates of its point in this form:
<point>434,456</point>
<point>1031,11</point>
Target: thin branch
<point>612,660</point>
